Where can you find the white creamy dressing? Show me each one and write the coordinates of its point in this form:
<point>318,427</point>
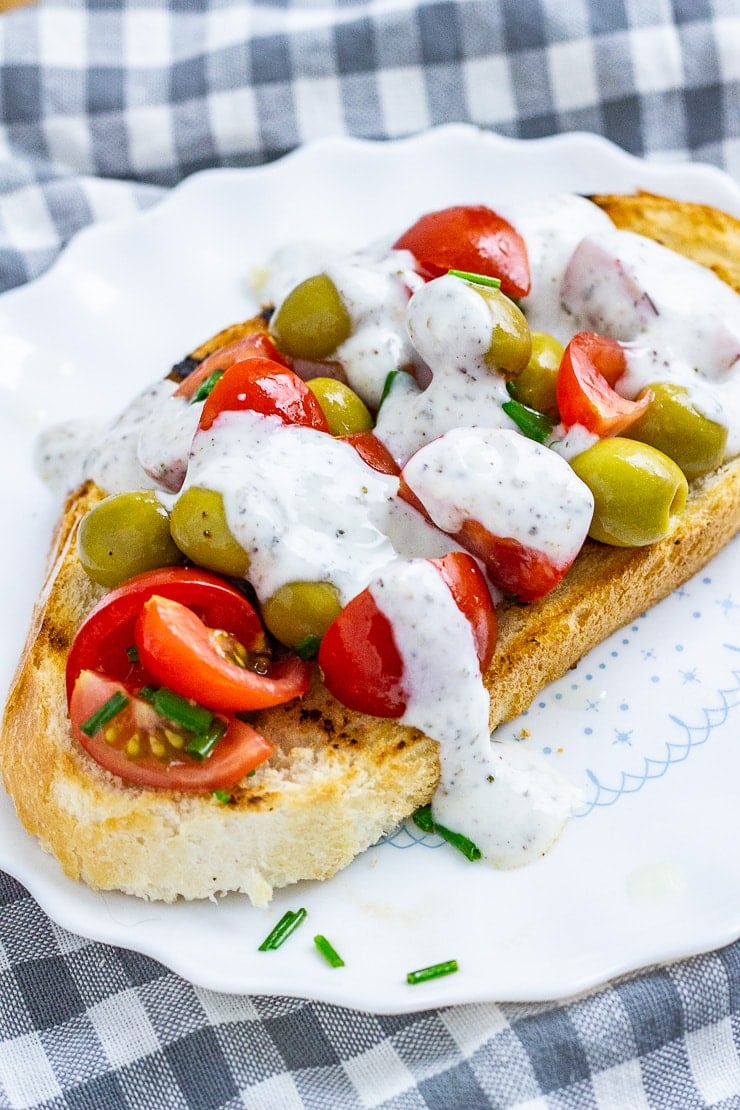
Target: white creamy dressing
<point>503,797</point>
<point>552,229</point>
<point>375,287</point>
<point>497,477</point>
<point>69,453</point>
<point>306,508</point>
<point>450,324</point>
<point>165,439</point>
<point>337,520</point>
<point>681,322</point>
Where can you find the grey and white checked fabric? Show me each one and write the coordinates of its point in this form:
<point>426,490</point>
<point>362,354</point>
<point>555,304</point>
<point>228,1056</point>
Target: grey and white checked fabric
<point>104,105</point>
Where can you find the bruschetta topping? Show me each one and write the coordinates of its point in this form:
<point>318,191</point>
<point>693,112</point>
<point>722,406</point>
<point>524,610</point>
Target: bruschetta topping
<point>464,407</point>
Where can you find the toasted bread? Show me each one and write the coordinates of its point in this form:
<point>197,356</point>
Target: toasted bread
<point>337,780</point>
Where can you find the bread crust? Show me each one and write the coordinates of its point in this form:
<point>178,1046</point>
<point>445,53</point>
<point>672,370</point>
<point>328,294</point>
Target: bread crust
<point>338,780</point>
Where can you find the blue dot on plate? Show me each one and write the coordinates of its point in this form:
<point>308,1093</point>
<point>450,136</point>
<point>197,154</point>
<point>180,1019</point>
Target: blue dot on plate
<point>655,678</point>
<point>679,647</point>
<point>696,615</point>
<point>547,751</point>
<point>624,706</point>
<point>588,731</point>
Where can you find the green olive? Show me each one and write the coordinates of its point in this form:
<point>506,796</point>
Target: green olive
<point>345,412</point>
<point>638,491</point>
<point>679,430</point>
<point>300,610</point>
<point>535,386</point>
<point>312,320</point>
<point>511,345</point>
<point>199,528</point>
<point>123,535</point>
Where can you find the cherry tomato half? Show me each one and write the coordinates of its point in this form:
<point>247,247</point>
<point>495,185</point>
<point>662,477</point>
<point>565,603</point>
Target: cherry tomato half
<point>198,662</point>
<point>471,238</point>
<point>257,343</point>
<point>372,451</point>
<point>125,745</point>
<point>519,571</point>
<point>590,367</point>
<point>360,661</point>
<point>361,664</point>
<point>262,385</point>
<point>466,583</point>
<point>104,640</point>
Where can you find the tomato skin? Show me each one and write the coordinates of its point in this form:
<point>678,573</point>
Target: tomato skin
<point>360,662</point>
<point>359,659</point>
<point>257,343</point>
<point>590,367</point>
<point>372,451</point>
<point>262,385</point>
<point>472,238</point>
<point>466,583</point>
<point>238,752</point>
<point>105,636</point>
<point>519,571</point>
<point>181,653</point>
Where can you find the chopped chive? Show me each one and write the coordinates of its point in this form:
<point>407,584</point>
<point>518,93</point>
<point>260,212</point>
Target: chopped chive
<point>110,709</point>
<point>536,425</point>
<point>328,951</point>
<point>132,654</point>
<point>206,386</point>
<point>308,647</point>
<point>435,971</point>
<point>147,693</point>
<point>223,796</point>
<point>182,711</point>
<point>477,279</point>
<point>388,385</point>
<point>201,746</point>
<point>423,818</point>
<point>287,924</point>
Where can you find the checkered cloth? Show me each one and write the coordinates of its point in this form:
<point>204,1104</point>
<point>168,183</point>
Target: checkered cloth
<point>106,104</point>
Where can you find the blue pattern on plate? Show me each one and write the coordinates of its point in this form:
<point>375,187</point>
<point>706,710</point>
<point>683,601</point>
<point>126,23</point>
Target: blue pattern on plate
<point>639,704</point>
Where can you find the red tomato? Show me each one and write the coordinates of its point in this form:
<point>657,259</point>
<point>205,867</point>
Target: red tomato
<point>471,238</point>
<point>249,346</point>
<point>261,385</point>
<point>466,583</point>
<point>359,659</point>
<point>590,367</point>
<point>373,452</point>
<point>360,662</point>
<point>107,634</point>
<point>238,752</point>
<point>185,655</point>
<point>518,570</point>
<point>406,494</point>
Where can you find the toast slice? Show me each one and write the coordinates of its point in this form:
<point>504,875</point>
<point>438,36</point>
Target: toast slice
<point>338,780</point>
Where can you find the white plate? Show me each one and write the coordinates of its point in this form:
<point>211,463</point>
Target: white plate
<point>645,724</point>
